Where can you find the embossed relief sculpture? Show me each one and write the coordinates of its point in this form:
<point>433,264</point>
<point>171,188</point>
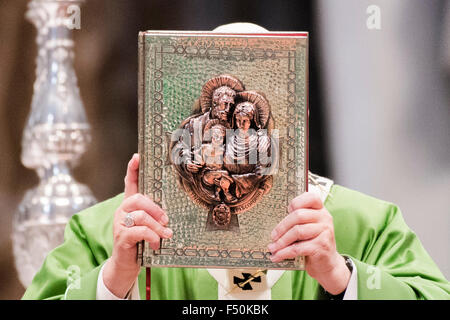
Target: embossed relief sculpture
<point>222,157</point>
<point>223,142</point>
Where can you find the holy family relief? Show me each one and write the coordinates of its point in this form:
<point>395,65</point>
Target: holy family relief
<point>223,142</point>
<point>223,154</point>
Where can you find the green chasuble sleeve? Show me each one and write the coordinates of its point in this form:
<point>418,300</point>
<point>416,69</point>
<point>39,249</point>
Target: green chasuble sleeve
<point>390,260</point>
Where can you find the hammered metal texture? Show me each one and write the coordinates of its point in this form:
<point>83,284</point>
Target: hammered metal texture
<point>172,71</point>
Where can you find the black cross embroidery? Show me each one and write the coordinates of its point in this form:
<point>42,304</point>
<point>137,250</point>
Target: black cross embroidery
<point>244,284</point>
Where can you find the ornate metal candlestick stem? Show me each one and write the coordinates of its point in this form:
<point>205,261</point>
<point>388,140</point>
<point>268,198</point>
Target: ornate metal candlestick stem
<point>56,135</point>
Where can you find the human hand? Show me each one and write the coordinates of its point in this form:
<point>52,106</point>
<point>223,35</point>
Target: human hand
<point>122,268</point>
<point>193,168</point>
<point>308,231</point>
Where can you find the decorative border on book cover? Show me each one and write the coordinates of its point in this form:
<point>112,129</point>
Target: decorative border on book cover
<point>155,54</point>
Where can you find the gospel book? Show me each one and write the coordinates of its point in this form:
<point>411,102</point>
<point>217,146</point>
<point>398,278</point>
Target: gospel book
<point>223,142</point>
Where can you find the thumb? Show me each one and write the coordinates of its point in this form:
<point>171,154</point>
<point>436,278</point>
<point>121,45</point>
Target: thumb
<point>131,179</point>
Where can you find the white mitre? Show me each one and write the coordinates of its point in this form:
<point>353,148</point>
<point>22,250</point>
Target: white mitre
<point>240,27</point>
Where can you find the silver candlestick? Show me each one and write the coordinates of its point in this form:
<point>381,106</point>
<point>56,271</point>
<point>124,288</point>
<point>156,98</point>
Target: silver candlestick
<point>56,135</point>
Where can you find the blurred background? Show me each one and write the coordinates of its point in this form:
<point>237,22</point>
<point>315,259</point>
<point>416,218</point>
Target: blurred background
<point>379,98</point>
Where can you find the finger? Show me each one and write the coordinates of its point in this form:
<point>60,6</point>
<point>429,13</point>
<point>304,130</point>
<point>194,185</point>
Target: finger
<point>131,179</point>
<point>140,202</point>
<point>302,248</point>
<point>136,234</point>
<point>300,216</point>
<point>142,218</point>
<point>296,233</point>
<point>306,200</point>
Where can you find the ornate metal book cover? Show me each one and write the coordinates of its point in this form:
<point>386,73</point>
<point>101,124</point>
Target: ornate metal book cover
<point>223,141</point>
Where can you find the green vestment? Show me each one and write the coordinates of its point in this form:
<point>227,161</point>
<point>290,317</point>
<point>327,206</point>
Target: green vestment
<point>390,260</point>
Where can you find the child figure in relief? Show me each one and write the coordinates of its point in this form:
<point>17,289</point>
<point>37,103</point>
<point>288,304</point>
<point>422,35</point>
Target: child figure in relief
<point>214,173</point>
